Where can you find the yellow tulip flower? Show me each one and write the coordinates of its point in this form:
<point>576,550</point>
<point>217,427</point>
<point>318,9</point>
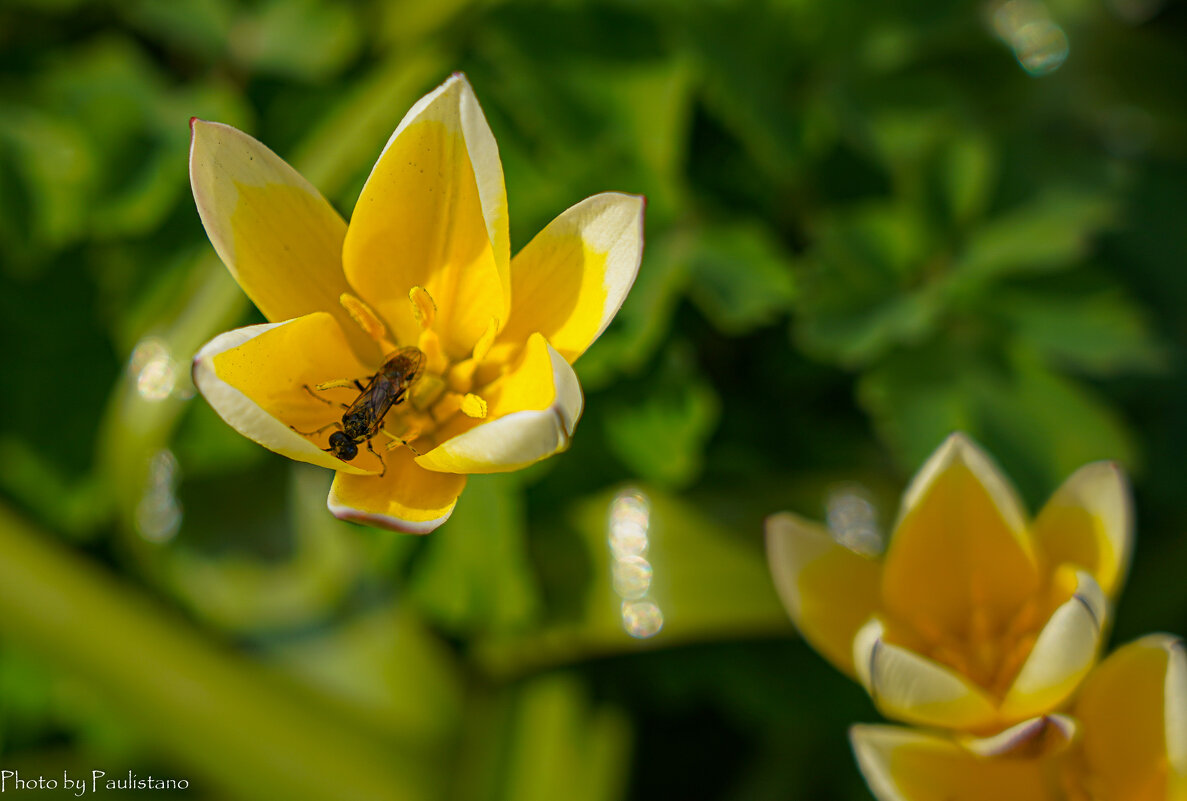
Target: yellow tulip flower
<point>424,263</point>
<point>975,619</point>
<point>1125,740</point>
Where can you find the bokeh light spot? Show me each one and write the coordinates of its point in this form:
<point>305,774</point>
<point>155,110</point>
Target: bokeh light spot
<point>154,368</point>
<point>632,577</point>
<point>628,527</point>
<point>853,519</point>
<point>1040,45</point>
<point>642,619</point>
<point>159,513</point>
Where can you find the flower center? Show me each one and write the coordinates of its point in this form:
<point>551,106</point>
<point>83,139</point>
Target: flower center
<point>990,648</point>
<point>442,391</point>
<point>990,652</point>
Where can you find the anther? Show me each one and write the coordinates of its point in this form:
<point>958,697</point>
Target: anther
<point>368,320</point>
<point>423,307</point>
<point>474,406</point>
<point>482,346</point>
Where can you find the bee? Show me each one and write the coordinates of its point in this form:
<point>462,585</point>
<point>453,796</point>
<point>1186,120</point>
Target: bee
<point>363,419</point>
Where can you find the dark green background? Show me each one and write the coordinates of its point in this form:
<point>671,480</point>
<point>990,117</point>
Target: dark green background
<point>867,226</point>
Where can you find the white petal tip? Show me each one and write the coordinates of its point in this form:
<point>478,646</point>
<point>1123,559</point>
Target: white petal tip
<point>352,515</point>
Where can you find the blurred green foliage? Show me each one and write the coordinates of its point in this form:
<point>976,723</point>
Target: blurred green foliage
<point>868,225</point>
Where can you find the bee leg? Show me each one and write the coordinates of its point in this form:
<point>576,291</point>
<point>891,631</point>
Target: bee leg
<point>341,383</point>
<point>397,442</point>
<point>380,458</point>
<point>317,431</point>
<point>315,396</point>
<point>344,383</point>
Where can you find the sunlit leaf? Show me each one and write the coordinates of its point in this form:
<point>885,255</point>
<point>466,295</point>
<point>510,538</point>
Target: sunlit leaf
<point>701,581</point>
<point>661,436</point>
<point>367,663</point>
<point>563,745</point>
<point>1103,333</point>
<point>475,575</point>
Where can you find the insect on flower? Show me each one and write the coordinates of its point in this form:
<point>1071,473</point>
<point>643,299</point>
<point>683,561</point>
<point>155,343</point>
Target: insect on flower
<point>425,262</point>
<point>364,418</point>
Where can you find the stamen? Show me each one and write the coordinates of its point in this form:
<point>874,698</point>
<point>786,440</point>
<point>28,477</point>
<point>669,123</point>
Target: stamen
<point>368,320</point>
<point>449,405</point>
<point>474,406</point>
<point>426,391</point>
<point>482,346</point>
<point>430,345</point>
<point>423,307</point>
<point>461,375</point>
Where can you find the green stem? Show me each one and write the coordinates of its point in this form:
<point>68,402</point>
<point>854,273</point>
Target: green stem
<point>236,725</point>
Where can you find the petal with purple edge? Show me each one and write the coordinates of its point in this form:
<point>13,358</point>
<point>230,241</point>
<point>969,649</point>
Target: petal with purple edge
<point>902,764</point>
<point>914,689</point>
<point>405,498</point>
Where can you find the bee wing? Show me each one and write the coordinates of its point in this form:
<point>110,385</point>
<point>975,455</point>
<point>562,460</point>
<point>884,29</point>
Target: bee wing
<point>374,402</point>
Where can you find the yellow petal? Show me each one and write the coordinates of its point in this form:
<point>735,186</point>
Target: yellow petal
<point>829,591</point>
<point>253,377</point>
<point>1063,653</point>
<point>1047,734</point>
<point>1089,522</point>
<point>433,214</point>
<point>532,411</point>
<point>910,765</point>
<point>571,279</point>
<point>281,240</point>
<point>1133,708</point>
<point>908,687</point>
<point>406,498</point>
<point>960,547</point>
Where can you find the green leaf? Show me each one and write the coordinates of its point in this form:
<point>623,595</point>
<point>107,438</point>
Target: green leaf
<point>968,171</point>
<point>245,593</point>
<point>915,400</point>
<point>563,746</point>
<point>1048,233</point>
<point>304,39</point>
<point>475,574</point>
<point>702,581</point>
<point>661,436</point>
<point>862,294</point>
<point>57,167</point>
<point>1102,333</point>
<point>384,667</point>
<point>179,687</point>
<point>198,26</point>
<point>1041,426</point>
<point>740,278</point>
